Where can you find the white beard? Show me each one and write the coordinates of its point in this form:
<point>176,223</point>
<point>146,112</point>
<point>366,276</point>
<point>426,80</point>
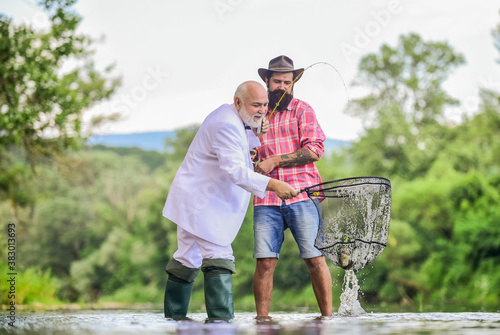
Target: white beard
<point>250,120</point>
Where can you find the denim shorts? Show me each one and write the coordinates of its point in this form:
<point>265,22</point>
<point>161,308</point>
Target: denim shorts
<point>270,223</point>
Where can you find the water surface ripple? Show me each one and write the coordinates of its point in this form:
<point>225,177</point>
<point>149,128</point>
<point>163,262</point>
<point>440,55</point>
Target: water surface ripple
<point>153,322</point>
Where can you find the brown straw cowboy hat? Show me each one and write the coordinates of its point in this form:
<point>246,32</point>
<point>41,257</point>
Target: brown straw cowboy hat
<point>280,64</point>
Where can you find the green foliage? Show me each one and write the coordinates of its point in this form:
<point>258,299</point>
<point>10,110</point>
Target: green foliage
<point>473,144</point>
<point>47,80</point>
<point>138,293</point>
<point>37,97</point>
<point>93,216</point>
<point>152,159</point>
<point>243,253</point>
<point>443,243</point>
<point>403,113</point>
<point>337,165</point>
<point>409,75</point>
<point>178,145</point>
<point>32,286</point>
<point>16,179</point>
<point>61,222</point>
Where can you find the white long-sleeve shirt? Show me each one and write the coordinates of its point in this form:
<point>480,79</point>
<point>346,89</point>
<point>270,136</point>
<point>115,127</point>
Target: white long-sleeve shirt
<point>210,193</point>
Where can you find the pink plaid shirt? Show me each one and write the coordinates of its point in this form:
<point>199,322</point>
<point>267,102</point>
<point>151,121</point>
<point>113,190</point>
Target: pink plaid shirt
<point>290,130</point>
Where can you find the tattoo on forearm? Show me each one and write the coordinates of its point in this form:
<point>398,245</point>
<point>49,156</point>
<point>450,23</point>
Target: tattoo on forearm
<point>300,157</point>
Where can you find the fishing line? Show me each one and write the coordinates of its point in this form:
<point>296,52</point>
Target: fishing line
<point>298,76</point>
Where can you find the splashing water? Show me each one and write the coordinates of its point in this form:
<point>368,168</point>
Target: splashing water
<point>349,304</point>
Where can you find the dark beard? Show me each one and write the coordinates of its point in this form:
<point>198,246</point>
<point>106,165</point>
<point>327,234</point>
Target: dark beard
<point>275,96</point>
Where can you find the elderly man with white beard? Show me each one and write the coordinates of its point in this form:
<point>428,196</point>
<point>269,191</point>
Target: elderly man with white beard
<point>209,197</point>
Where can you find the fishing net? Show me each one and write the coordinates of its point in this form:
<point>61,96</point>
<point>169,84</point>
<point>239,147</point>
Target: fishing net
<point>355,215</point>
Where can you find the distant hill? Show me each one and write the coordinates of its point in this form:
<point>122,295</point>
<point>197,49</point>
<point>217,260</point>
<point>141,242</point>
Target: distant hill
<point>332,145</point>
<point>155,140</point>
<point>145,141</point>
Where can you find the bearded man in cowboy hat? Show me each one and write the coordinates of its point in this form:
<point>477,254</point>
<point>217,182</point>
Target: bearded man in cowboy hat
<point>287,153</point>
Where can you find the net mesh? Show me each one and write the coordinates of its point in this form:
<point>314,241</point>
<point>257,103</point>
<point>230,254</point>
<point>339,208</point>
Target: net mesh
<point>355,215</point>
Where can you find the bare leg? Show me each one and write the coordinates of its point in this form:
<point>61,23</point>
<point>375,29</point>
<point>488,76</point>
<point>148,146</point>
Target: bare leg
<point>263,284</point>
<point>322,283</point>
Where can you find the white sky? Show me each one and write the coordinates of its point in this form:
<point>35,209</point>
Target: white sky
<point>181,59</point>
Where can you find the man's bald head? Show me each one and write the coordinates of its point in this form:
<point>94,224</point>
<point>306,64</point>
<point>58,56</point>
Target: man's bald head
<point>250,100</point>
<point>249,89</point>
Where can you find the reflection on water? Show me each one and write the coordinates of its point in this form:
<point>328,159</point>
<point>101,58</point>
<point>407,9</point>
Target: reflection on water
<point>153,322</point>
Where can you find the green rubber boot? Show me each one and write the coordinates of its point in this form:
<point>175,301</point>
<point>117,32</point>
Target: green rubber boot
<point>177,296</point>
<point>219,296</point>
<point>219,288</point>
<point>179,287</point>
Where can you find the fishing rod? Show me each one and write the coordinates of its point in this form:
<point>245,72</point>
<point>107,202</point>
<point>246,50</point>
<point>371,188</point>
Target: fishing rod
<point>291,85</point>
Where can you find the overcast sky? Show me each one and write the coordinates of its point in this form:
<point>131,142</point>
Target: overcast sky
<point>181,59</point>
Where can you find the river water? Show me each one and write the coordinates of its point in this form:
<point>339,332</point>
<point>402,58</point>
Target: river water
<point>153,322</point>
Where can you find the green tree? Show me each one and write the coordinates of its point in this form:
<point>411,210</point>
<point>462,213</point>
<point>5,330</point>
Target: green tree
<point>153,159</point>
<point>443,244</point>
<point>403,112</point>
<point>97,226</point>
<point>178,145</point>
<point>47,81</point>
<point>473,144</point>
